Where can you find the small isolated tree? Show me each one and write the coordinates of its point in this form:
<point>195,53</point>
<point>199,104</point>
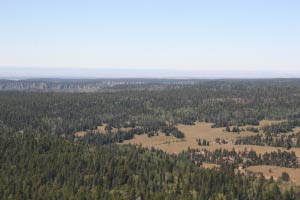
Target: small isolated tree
<point>199,141</point>
<point>285,176</point>
<point>227,129</point>
<point>108,127</point>
<point>270,170</point>
<point>236,129</point>
<point>289,146</point>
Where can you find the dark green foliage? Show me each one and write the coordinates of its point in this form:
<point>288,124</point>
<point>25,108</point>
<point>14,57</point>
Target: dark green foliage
<point>151,134</point>
<point>286,141</point>
<point>252,129</point>
<point>228,129</point>
<point>203,142</point>
<point>35,166</point>
<point>112,137</point>
<point>172,130</point>
<point>41,159</point>
<point>244,158</point>
<point>285,176</point>
<point>236,129</point>
<point>274,135</point>
<point>283,127</point>
<point>223,102</point>
<point>177,133</point>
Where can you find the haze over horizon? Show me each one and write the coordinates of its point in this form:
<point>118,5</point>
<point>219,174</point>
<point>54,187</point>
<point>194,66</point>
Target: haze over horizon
<point>92,73</point>
<point>162,38</point>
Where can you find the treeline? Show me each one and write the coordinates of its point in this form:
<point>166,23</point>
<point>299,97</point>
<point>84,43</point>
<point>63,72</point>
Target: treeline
<point>172,130</point>
<point>283,127</point>
<point>120,135</point>
<point>39,166</point>
<point>111,137</point>
<point>286,141</point>
<point>274,135</point>
<point>237,129</point>
<point>223,103</point>
<point>91,85</point>
<point>202,142</point>
<point>242,158</point>
<point>270,129</point>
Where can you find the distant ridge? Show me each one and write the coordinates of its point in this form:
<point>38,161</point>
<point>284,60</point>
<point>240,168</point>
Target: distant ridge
<point>117,84</point>
<point>17,73</point>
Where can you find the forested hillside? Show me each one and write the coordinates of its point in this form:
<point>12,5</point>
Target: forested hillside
<point>43,158</point>
<point>35,166</point>
<point>231,102</point>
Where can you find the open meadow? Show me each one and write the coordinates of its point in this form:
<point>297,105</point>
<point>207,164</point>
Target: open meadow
<point>276,172</point>
<point>203,130</point>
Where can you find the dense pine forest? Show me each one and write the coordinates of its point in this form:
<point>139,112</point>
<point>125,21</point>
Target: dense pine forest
<point>223,102</point>
<point>35,166</point>
<point>244,159</point>
<point>41,158</point>
<point>273,136</point>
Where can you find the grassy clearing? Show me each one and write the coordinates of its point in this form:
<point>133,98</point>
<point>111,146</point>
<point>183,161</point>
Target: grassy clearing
<point>210,166</point>
<point>276,172</point>
<point>172,145</point>
<point>100,130</point>
<point>270,122</point>
<point>201,130</point>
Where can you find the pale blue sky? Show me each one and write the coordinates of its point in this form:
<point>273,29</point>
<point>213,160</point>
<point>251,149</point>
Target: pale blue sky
<point>162,34</point>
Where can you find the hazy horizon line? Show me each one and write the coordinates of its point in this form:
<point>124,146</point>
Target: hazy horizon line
<point>94,73</point>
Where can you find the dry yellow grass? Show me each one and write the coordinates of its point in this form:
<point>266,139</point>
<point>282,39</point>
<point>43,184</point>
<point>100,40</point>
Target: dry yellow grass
<point>166,143</point>
<point>210,166</point>
<point>296,130</point>
<point>204,131</point>
<point>100,130</point>
<point>80,133</point>
<point>201,130</point>
<point>276,172</point>
<point>269,122</point>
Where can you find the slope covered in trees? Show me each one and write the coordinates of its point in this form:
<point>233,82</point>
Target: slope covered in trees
<point>274,135</point>
<point>35,166</point>
<point>224,103</point>
<point>41,158</point>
